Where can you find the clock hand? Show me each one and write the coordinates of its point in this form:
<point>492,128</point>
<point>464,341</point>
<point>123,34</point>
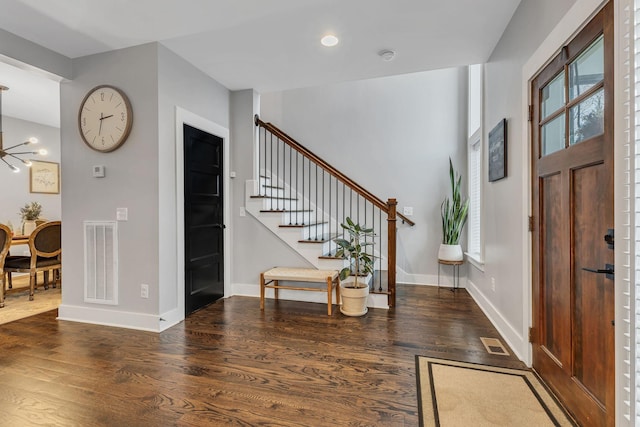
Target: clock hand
<point>100,128</point>
<point>106,117</point>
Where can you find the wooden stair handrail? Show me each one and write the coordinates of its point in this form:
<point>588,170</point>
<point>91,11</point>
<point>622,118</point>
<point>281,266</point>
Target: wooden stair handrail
<point>332,170</point>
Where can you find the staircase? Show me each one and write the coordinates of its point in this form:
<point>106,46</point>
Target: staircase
<point>303,200</point>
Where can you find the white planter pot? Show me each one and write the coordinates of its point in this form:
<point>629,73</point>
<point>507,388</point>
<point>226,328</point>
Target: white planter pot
<point>450,252</point>
<point>354,300</point>
<point>28,227</point>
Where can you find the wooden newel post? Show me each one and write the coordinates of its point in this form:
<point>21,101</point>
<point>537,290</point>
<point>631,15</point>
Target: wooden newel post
<point>391,248</point>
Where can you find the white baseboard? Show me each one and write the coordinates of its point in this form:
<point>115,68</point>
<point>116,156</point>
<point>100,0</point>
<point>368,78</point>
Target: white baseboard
<point>171,318</point>
<point>446,279</point>
<point>253,290</point>
<point>515,339</point>
<point>119,319</point>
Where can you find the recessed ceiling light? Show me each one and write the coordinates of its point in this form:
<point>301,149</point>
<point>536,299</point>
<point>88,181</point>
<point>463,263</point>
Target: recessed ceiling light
<point>329,40</point>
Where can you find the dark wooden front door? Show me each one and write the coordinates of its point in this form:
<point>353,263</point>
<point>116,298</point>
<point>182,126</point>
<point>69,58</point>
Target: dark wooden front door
<point>572,179</point>
<point>203,218</point>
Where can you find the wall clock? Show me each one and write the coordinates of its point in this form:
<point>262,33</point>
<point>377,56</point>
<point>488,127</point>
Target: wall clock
<point>105,118</point>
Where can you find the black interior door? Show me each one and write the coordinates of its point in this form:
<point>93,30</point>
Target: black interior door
<point>203,218</point>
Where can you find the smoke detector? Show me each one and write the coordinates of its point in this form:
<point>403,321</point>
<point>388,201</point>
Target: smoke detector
<point>387,54</point>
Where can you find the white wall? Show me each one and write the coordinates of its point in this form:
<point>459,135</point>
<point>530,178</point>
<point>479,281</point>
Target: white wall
<point>393,136</point>
<point>15,186</point>
<point>504,211</point>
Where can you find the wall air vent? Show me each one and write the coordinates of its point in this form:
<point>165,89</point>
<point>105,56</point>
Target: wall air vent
<point>101,262</point>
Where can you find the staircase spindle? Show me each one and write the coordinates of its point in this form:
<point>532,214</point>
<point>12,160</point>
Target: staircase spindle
<point>380,246</point>
<point>290,177</point>
<point>329,219</point>
<point>271,167</point>
<point>276,167</point>
<point>297,157</point>
<point>260,156</point>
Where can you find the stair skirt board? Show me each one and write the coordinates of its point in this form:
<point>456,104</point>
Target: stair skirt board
<point>253,290</point>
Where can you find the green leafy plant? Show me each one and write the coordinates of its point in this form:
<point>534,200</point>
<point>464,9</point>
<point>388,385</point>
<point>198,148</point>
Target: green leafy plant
<point>31,211</point>
<point>454,210</point>
<point>354,250</point>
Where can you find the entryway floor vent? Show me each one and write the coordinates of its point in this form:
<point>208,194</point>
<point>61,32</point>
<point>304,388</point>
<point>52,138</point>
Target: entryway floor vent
<point>494,346</point>
<point>101,262</point>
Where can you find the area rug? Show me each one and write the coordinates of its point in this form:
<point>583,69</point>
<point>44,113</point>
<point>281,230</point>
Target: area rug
<point>465,394</point>
<point>18,306</point>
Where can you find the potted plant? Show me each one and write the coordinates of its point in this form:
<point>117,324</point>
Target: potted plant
<point>29,213</point>
<point>355,292</point>
<point>454,212</point>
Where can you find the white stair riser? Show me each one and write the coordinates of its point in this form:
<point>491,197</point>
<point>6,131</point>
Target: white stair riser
<point>273,192</point>
<point>299,217</point>
<point>315,231</point>
<point>279,204</point>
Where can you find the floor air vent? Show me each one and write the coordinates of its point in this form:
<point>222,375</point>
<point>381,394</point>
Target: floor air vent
<point>101,262</point>
<point>494,346</point>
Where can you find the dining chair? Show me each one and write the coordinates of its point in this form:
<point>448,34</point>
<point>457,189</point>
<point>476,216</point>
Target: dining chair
<point>5,244</point>
<point>45,245</point>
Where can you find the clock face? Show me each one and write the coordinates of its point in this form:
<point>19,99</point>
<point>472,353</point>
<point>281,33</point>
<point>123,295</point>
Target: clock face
<point>105,118</point>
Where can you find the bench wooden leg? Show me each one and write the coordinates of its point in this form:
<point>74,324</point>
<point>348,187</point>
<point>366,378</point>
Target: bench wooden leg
<point>338,301</point>
<point>275,289</point>
<point>261,291</point>
<point>329,292</point>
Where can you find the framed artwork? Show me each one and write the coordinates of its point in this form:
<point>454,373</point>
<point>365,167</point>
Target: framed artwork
<point>498,151</point>
<point>44,177</point>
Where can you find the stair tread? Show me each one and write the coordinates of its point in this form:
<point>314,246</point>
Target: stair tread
<point>302,225</point>
<point>323,239</point>
<point>272,186</point>
<point>281,210</point>
<point>273,198</point>
<point>327,256</point>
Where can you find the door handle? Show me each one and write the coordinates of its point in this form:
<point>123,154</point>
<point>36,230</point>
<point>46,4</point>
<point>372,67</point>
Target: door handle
<point>219,226</point>
<point>608,270</point>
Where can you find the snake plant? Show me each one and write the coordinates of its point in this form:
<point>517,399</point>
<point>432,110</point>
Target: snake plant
<point>454,210</point>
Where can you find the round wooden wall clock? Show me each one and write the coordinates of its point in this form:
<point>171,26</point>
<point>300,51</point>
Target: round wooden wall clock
<point>105,118</point>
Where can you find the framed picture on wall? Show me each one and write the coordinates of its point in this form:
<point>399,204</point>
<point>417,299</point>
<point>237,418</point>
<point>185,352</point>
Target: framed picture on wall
<point>44,177</point>
<point>498,151</point>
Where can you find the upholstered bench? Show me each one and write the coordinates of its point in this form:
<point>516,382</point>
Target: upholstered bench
<point>272,278</point>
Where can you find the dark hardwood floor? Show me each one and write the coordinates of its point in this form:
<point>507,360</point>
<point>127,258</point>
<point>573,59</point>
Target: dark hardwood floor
<point>230,364</point>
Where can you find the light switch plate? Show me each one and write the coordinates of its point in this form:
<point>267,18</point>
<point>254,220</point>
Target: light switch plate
<point>122,214</point>
<point>408,211</point>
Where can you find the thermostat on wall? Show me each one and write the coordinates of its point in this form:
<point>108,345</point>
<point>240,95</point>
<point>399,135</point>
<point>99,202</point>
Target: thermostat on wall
<point>98,171</point>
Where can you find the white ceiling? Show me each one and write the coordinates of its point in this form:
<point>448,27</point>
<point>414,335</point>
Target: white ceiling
<point>271,45</point>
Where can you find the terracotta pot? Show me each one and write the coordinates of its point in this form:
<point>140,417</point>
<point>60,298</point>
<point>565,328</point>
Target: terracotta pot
<point>450,252</point>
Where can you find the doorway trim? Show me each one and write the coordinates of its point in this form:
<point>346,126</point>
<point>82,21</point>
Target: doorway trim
<point>578,16</point>
<point>186,117</point>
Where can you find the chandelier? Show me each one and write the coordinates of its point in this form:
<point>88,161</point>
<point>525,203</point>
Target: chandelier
<point>10,152</point>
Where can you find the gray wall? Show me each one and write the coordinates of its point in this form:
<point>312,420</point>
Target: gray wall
<point>504,215</point>
<point>15,186</point>
<point>179,84</point>
<point>253,244</point>
<point>131,178</point>
<point>394,136</point>
<point>141,176</point>
<point>36,56</point>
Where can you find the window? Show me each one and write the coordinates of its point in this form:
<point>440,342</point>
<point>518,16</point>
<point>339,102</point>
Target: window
<point>474,165</point>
